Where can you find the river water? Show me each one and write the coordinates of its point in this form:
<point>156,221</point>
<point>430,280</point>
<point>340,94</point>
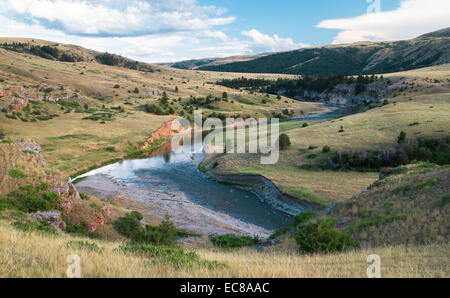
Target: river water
<point>172,172</point>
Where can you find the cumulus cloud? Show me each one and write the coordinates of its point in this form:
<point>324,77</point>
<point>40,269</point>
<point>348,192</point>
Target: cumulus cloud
<point>411,19</point>
<point>266,43</point>
<point>144,30</point>
<point>116,18</point>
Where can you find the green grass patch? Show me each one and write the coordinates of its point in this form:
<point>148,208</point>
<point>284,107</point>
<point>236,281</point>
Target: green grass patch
<point>175,257</point>
<point>233,241</point>
<point>376,221</point>
<point>31,199</point>
<point>18,174</point>
<point>306,194</point>
<point>42,227</point>
<point>402,189</point>
<point>444,200</point>
<point>85,245</point>
<point>78,180</point>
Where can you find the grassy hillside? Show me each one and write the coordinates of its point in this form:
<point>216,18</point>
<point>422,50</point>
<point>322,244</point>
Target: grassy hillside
<point>196,63</point>
<point>407,208</point>
<point>422,113</point>
<point>44,255</point>
<point>358,58</point>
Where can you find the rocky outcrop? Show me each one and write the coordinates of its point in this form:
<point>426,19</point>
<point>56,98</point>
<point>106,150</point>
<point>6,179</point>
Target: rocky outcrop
<point>19,104</point>
<point>99,219</point>
<point>164,132</point>
<point>28,145</point>
<point>51,217</point>
<point>68,193</point>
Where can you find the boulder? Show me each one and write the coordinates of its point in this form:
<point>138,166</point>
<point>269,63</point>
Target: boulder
<point>52,217</point>
<point>28,145</point>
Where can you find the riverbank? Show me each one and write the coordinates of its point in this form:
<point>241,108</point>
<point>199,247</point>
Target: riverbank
<point>268,191</point>
<point>185,214</point>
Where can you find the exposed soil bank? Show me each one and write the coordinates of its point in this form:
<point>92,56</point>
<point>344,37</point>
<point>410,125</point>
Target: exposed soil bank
<point>269,191</point>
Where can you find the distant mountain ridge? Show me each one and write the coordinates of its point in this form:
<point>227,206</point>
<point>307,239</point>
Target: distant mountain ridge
<point>350,59</point>
<point>197,63</point>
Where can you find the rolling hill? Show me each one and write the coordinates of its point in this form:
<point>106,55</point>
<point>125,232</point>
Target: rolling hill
<point>351,59</point>
<point>197,63</point>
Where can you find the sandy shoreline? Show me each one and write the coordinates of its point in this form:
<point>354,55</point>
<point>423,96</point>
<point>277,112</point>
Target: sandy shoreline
<point>185,214</point>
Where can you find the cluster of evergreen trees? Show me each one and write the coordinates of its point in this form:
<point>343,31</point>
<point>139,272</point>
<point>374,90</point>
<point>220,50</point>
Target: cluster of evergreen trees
<point>116,60</point>
<point>295,87</point>
<point>46,51</point>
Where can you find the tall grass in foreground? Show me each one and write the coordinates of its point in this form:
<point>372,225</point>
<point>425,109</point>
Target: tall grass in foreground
<point>25,254</point>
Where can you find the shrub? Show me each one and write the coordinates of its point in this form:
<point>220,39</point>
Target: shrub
<point>129,224</point>
<point>284,141</point>
<point>401,138</point>
<point>233,241</point>
<point>305,124</point>
<point>29,199</point>
<point>84,196</point>
<point>435,151</point>
<point>17,174</point>
<point>326,149</point>
<point>168,231</point>
<point>323,237</point>
<point>444,200</point>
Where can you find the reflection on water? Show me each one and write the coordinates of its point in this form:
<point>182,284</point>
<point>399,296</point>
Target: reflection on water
<point>178,172</point>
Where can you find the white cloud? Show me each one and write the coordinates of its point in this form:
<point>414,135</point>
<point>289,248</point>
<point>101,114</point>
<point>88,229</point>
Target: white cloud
<point>411,19</point>
<point>145,30</point>
<point>265,43</point>
<point>116,18</point>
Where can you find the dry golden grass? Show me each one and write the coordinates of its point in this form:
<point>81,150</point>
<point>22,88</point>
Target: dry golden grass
<point>403,208</point>
<point>24,254</point>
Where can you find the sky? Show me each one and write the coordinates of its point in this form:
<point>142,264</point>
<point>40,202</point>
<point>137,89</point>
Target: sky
<point>173,30</point>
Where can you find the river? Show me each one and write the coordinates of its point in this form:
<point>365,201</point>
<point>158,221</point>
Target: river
<point>171,183</point>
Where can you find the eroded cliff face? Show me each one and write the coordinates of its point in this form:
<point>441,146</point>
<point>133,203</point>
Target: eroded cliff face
<point>165,132</point>
<point>26,156</point>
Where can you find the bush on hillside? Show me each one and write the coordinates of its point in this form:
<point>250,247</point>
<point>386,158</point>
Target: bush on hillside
<point>323,237</point>
<point>435,151</point>
<point>130,226</point>
<point>233,241</point>
<point>284,141</point>
<point>31,199</point>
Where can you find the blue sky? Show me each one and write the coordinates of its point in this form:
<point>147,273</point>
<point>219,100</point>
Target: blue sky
<point>174,30</point>
<point>293,18</point>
